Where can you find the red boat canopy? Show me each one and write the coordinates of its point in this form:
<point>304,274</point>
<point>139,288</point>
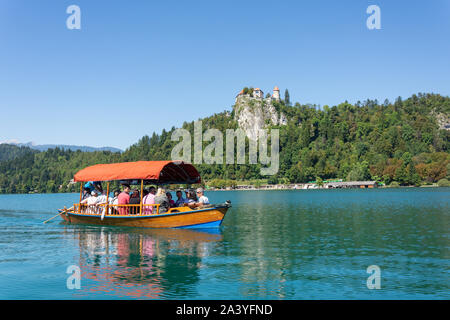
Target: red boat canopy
<point>159,172</point>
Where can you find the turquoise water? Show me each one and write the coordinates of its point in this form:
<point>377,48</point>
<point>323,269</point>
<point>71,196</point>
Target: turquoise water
<point>305,244</point>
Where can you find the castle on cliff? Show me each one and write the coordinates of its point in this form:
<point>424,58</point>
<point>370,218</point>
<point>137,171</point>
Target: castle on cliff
<point>259,94</point>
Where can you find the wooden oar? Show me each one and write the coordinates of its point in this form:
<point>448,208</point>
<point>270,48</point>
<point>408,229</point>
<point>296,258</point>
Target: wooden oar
<point>52,218</point>
<point>57,215</point>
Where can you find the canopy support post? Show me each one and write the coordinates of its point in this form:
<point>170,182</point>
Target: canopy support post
<point>107,198</point>
<point>81,194</point>
<point>142,189</point>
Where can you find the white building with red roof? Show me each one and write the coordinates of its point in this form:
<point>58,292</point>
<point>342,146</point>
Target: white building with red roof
<point>276,93</point>
<point>259,94</point>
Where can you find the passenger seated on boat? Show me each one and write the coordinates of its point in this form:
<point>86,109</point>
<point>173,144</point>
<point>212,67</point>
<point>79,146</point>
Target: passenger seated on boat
<point>162,200</point>
<point>101,202</point>
<point>114,201</point>
<point>202,199</point>
<point>124,198</point>
<point>192,199</point>
<point>171,202</point>
<point>180,201</point>
<point>91,203</point>
<point>135,199</point>
<point>86,194</point>
<point>149,199</point>
<point>98,187</point>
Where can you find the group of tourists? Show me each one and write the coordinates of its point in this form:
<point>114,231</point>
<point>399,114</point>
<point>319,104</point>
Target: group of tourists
<point>129,201</point>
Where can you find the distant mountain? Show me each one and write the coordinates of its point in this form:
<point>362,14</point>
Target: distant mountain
<point>45,147</point>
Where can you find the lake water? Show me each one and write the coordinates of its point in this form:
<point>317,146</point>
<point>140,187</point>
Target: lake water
<point>299,244</point>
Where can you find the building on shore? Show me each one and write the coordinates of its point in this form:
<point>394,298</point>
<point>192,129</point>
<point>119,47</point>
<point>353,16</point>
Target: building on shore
<point>351,184</point>
<point>309,185</point>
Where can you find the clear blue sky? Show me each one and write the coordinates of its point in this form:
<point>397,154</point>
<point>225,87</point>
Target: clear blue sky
<point>141,66</point>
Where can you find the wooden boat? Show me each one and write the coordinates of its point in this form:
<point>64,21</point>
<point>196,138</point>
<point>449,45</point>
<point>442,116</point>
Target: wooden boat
<point>143,215</point>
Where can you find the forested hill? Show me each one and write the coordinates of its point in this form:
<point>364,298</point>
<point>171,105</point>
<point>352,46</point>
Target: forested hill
<point>45,147</point>
<point>404,142</point>
<point>48,171</point>
<point>9,152</point>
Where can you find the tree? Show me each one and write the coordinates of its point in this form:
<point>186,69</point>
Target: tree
<point>287,100</point>
<point>360,172</point>
<point>443,183</point>
<point>319,182</point>
<point>272,180</point>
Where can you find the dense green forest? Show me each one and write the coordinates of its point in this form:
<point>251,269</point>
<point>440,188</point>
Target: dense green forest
<point>9,152</point>
<point>395,143</point>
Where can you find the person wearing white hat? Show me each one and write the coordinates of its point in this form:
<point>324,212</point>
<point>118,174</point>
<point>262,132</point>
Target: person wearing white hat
<point>91,202</point>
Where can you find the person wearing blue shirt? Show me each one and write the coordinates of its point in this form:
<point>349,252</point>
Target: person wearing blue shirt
<point>180,201</point>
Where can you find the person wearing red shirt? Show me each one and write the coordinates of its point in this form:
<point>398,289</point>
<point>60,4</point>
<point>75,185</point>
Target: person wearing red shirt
<point>124,198</point>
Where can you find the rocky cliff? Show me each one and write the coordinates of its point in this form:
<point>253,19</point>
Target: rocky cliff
<point>253,114</point>
<point>442,119</point>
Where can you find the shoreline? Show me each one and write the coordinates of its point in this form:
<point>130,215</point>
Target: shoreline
<point>259,189</point>
<point>301,189</point>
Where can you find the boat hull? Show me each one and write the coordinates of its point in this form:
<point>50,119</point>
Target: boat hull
<point>200,218</point>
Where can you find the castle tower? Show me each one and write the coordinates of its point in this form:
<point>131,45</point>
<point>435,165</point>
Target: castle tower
<point>276,93</point>
<point>258,93</point>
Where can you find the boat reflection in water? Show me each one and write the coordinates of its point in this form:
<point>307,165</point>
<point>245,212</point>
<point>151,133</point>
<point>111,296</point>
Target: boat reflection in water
<point>140,263</point>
